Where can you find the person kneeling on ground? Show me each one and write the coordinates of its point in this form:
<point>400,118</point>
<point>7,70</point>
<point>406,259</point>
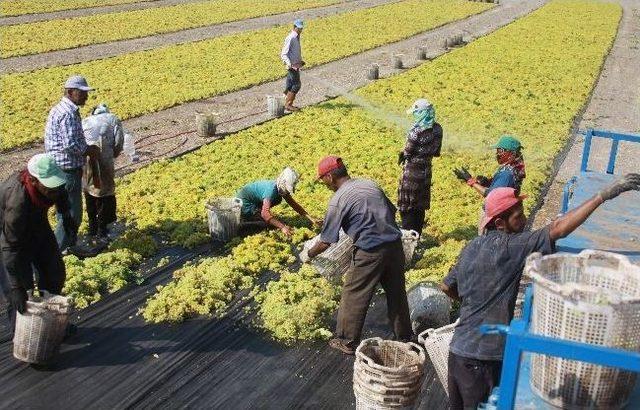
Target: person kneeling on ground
<point>259,197</point>
<point>26,238</point>
<point>364,212</point>
<point>103,130</point>
<point>486,279</point>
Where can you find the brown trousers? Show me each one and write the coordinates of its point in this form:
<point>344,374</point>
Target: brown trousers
<point>384,265</point>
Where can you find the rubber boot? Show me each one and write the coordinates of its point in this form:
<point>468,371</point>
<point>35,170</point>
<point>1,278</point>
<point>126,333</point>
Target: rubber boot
<point>288,105</point>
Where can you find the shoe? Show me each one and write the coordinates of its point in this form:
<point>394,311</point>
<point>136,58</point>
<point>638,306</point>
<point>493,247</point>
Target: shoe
<point>339,344</point>
<point>291,108</point>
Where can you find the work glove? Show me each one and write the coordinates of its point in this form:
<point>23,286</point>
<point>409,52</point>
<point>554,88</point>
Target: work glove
<point>18,299</point>
<point>70,227</point>
<point>304,256</point>
<point>629,182</point>
<point>484,181</point>
<point>464,175</point>
<point>401,158</point>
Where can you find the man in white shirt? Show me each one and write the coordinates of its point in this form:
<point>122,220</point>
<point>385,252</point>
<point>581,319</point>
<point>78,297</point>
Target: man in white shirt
<point>292,57</point>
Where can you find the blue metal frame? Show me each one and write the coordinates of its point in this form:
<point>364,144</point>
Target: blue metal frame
<point>614,136</point>
<point>519,340</point>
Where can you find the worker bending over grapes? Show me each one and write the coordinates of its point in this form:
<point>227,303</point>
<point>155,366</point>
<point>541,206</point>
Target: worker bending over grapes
<point>259,197</point>
<point>486,279</point>
<point>363,211</point>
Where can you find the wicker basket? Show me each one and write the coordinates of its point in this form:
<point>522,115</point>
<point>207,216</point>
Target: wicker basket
<point>436,342</point>
<point>592,297</point>
<point>335,261</point>
<point>40,330</point>
<point>409,243</point>
<point>387,374</point>
<point>224,217</point>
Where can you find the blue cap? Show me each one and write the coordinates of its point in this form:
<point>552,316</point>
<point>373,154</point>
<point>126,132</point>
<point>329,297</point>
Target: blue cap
<point>298,23</point>
<point>78,82</point>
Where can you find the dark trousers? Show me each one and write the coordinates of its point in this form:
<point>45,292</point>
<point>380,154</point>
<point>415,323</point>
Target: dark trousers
<point>471,381</point>
<point>413,219</point>
<point>292,82</point>
<point>101,211</point>
<point>383,265</point>
<point>73,187</point>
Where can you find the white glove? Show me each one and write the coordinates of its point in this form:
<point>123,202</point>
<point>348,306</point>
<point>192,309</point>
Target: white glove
<point>304,255</point>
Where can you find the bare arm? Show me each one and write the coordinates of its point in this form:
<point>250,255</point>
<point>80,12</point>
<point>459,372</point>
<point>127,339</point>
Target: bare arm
<point>451,291</point>
<point>299,209</point>
<point>267,216</point>
<point>318,248</point>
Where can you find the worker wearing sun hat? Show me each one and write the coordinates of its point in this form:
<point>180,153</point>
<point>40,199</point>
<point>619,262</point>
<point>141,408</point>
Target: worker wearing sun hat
<point>258,197</point>
<point>424,142</point>
<point>26,238</point>
<point>363,211</point>
<point>486,279</point>
<point>291,56</point>
<point>64,139</point>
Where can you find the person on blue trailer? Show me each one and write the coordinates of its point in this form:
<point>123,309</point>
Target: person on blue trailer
<point>510,173</point>
<point>486,278</point>
<point>259,197</point>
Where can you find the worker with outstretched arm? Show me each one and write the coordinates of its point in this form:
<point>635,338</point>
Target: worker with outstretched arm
<point>259,197</point>
<point>363,211</point>
<point>27,241</point>
<point>486,278</point>
<point>510,173</point>
<point>291,56</point>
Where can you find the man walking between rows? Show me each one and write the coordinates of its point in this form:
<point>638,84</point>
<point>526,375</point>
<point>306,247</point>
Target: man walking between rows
<point>65,141</point>
<point>363,211</point>
<point>291,55</point>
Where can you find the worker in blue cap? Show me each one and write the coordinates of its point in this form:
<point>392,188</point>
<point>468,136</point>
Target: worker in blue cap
<point>291,56</point>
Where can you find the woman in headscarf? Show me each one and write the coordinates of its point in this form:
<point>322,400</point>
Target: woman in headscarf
<point>259,197</point>
<point>424,141</point>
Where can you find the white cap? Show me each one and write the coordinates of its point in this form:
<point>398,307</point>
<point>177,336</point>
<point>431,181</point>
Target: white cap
<point>420,104</point>
<point>77,82</point>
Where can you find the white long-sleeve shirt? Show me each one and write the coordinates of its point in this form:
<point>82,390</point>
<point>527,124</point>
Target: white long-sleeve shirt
<point>291,52</point>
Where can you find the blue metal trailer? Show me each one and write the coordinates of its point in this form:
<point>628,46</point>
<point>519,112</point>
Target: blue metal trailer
<point>614,227</point>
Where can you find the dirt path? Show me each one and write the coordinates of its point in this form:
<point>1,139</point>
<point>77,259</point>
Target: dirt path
<point>614,105</point>
<point>67,14</point>
<point>171,132</point>
<point>100,51</point>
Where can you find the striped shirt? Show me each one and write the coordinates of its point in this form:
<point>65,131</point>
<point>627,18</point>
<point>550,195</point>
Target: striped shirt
<point>63,135</point>
<point>291,51</point>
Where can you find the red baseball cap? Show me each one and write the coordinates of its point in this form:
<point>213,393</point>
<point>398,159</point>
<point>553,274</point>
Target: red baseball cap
<point>498,201</point>
<point>328,164</point>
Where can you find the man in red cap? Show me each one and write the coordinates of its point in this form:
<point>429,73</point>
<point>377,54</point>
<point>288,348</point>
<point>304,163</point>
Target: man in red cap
<point>363,211</point>
<point>486,279</point>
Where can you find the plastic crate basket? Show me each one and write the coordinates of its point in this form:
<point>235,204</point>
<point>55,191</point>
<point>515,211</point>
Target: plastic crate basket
<point>592,297</point>
<point>409,243</point>
<point>223,215</point>
<point>387,374</point>
<point>437,342</point>
<point>335,261</point>
<point>40,329</point>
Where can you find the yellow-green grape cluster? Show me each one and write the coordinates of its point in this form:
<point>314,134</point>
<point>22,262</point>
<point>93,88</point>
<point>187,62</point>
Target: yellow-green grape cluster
<point>298,306</point>
<point>137,242</point>
<point>205,288</point>
<point>436,262</point>
<point>87,280</point>
<point>261,252</point>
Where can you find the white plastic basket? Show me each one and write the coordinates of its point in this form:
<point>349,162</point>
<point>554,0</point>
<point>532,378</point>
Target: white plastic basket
<point>224,217</point>
<point>335,261</point>
<point>41,328</point>
<point>592,297</point>
<point>437,342</point>
<point>409,242</point>
<point>429,307</point>
<point>387,374</point>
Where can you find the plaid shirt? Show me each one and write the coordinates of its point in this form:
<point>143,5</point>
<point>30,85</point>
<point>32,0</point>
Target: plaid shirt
<point>63,135</point>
